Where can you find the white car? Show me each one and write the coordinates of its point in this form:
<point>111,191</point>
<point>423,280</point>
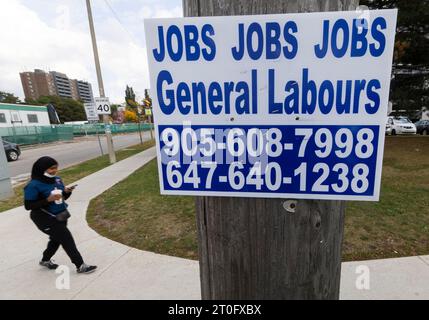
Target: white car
<point>400,125</point>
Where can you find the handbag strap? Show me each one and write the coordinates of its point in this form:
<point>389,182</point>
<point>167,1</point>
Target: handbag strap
<point>46,211</point>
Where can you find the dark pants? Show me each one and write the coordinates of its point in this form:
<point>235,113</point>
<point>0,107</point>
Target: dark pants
<point>59,235</point>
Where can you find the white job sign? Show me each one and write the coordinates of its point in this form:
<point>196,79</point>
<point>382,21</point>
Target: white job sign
<point>272,106</point>
<point>102,106</point>
<point>91,113</point>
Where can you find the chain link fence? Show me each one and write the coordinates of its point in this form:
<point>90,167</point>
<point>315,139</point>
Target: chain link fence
<point>36,134</point>
<point>89,129</point>
<point>45,134</point>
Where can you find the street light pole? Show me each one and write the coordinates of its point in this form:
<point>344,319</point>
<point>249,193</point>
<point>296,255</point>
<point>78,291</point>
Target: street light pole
<point>110,149</point>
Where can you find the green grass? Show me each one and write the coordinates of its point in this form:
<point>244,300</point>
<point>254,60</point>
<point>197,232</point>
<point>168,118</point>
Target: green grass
<point>77,172</point>
<point>143,218</point>
<point>398,225</point>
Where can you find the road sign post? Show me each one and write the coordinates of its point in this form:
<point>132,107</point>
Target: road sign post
<point>98,137</point>
<point>91,113</point>
<point>148,112</point>
<point>103,108</point>
<point>281,120</point>
<point>93,117</point>
<point>139,121</point>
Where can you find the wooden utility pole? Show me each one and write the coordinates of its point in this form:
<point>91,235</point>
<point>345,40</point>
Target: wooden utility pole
<point>268,248</point>
<point>111,150</point>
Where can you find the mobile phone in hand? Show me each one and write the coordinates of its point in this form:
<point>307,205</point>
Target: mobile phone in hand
<point>73,186</point>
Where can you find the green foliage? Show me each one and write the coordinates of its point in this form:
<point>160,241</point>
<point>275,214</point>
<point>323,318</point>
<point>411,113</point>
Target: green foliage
<point>129,93</point>
<point>6,97</point>
<point>32,102</point>
<point>147,101</point>
<point>143,218</point>
<point>412,28</point>
<point>409,91</point>
<point>130,116</point>
<point>67,109</point>
<point>130,98</point>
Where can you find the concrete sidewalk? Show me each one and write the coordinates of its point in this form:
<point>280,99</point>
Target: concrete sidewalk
<point>127,273</point>
<point>124,272</point>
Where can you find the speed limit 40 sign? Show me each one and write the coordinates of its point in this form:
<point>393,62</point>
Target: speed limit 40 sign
<point>102,106</point>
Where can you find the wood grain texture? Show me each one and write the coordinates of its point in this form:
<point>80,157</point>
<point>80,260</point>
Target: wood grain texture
<point>253,248</point>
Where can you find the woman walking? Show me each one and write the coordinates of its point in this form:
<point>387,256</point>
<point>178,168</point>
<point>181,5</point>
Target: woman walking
<point>45,196</point>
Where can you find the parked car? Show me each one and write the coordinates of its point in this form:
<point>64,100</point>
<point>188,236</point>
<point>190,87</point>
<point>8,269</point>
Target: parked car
<point>399,125</point>
<point>422,127</point>
<point>12,150</point>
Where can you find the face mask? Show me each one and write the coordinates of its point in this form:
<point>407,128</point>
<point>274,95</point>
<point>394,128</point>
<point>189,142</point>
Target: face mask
<point>48,175</point>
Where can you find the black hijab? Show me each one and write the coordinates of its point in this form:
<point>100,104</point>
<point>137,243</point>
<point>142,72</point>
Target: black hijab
<point>39,168</point>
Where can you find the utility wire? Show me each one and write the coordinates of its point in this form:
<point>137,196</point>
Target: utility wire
<point>120,21</point>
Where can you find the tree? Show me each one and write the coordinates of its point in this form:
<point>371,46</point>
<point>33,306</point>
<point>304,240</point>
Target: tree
<point>130,98</point>
<point>409,87</point>
<point>129,93</point>
<point>147,102</point>
<point>32,102</point>
<point>412,28</point>
<point>114,108</point>
<point>67,109</point>
<point>6,97</point>
<point>130,116</point>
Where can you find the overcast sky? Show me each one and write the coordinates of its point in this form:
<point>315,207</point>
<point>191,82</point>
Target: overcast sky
<point>54,35</point>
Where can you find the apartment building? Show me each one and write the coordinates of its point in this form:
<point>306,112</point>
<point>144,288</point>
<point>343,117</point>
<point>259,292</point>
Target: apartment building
<point>83,90</point>
<point>40,83</point>
<point>37,83</point>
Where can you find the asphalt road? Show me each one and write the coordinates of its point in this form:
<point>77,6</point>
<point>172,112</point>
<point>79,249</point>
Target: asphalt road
<point>70,153</point>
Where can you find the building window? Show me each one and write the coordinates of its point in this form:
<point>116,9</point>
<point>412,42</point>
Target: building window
<point>32,118</point>
<point>15,117</point>
<point>2,118</point>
